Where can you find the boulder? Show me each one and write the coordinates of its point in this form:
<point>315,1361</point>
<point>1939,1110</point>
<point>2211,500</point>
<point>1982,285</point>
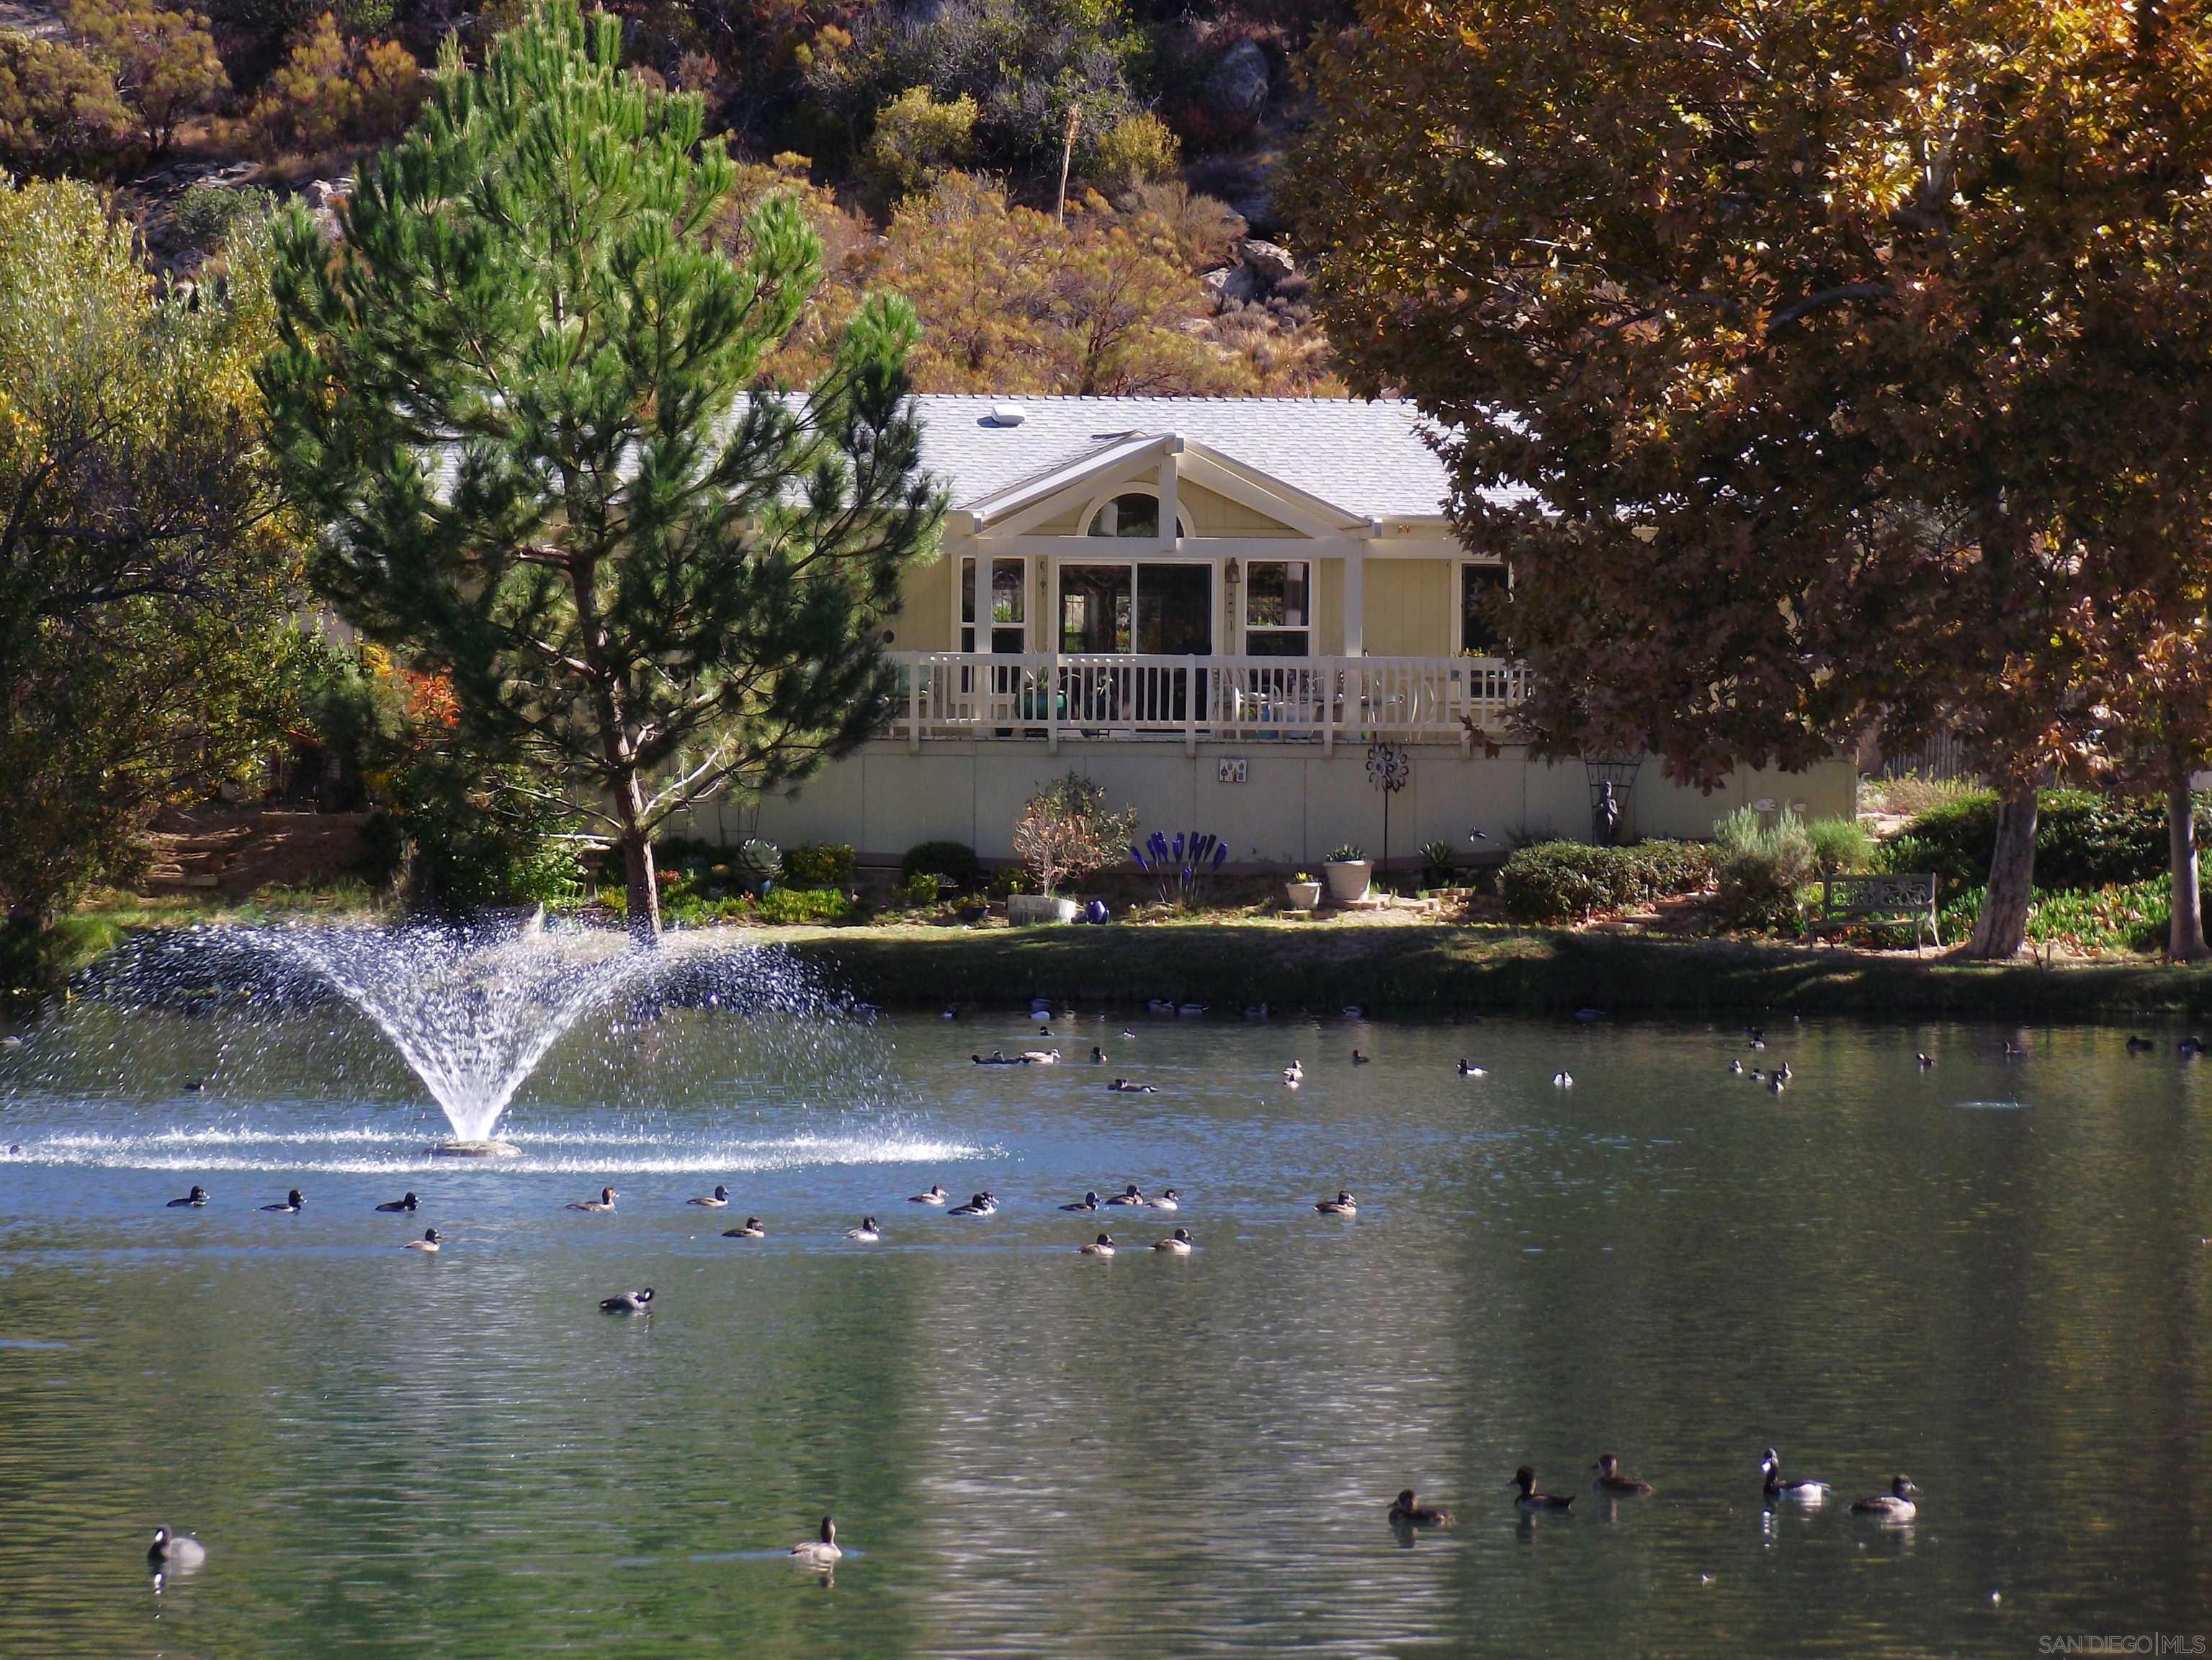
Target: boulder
<point>1230,283</point>
<point>1271,262</point>
<point>1234,90</point>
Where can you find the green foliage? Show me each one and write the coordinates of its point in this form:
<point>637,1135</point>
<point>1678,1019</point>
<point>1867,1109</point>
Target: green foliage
<point>820,866</point>
<point>1006,881</point>
<point>147,576</point>
<point>1909,793</point>
<point>207,215</point>
<point>652,583</point>
<point>2115,919</point>
<point>954,861</point>
<point>1137,150</point>
<point>1437,861</point>
<point>1345,853</point>
<point>2082,840</point>
<point>330,90</point>
<point>921,889</point>
<point>789,905</point>
<point>757,859</point>
<point>1840,846</point>
<point>917,138</point>
<point>1758,866</point>
<point>1563,881</point>
<point>165,61</point>
<point>60,110</point>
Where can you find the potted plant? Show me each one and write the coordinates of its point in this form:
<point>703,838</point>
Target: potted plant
<point>1348,871</point>
<point>1301,892</point>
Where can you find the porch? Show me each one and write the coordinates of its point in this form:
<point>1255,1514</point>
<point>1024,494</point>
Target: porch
<point>1062,698</point>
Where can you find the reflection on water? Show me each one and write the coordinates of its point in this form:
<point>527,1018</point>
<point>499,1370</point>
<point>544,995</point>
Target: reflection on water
<point>1031,1451</point>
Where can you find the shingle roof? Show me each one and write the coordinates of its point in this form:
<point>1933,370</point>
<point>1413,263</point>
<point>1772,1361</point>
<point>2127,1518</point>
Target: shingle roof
<point>1370,460</point>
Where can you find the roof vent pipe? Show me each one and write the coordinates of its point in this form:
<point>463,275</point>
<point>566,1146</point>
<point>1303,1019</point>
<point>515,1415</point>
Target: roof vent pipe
<point>1008,415</point>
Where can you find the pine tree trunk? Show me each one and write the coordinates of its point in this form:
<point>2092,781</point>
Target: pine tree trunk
<point>638,877</point>
<point>2001,929</point>
<point>2185,939</point>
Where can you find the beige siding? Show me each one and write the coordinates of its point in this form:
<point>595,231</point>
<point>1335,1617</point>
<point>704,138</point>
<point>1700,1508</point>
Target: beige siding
<point>1208,513</point>
<point>1328,605</point>
<point>1409,610</point>
<point>1067,524</point>
<point>924,618</point>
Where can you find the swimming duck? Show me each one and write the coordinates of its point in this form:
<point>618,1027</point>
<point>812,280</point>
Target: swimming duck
<point>1565,1081</point>
<point>289,1208</point>
<point>1530,1499</point>
<point>950,1012</point>
<point>1776,1082</point>
<point>1088,1202</point>
<point>713,1200</point>
<point>428,1243</point>
<point>197,1199</point>
<point>629,1302</point>
<point>1354,1012</point>
<point>867,1233</point>
<point>1895,1505</point>
<point>820,1551</point>
<point>1179,1243</point>
<point>1342,1205</point>
<point>1404,1512</point>
<point>1792,1493</point>
<point>936,1195</point>
<point>1044,1032</point>
<point>1293,1074</point>
<point>1097,1055</point>
<point>196,1086</point>
<point>2191,1046</point>
<point>1127,1033</point>
<point>981,1204</point>
<point>1785,1072</point>
<point>1169,1199</point>
<point>1611,1481</point>
<point>1129,1086</point>
<point>1754,1039</point>
<point>1359,1060</point>
<point>1466,1070</point>
<point>405,1202</point>
<point>1041,1057</point>
<point>1926,1061</point>
<point>2139,1045</point>
<point>605,1201</point>
<point>176,1551</point>
<point>995,1058</point>
<point>1102,1246</point>
<point>1736,1068</point>
<point>1129,1195</point>
<point>751,1230</point>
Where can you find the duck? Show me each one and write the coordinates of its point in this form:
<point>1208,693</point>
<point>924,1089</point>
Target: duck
<point>605,1202</point>
<point>1342,1205</point>
<point>1171,1200</point>
<point>290,1206</point>
<point>1785,1072</point>
<point>1735,1069</point>
<point>1041,1057</point>
<point>1129,1195</point>
<point>1406,1512</point>
<point>1102,1246</point>
<point>1895,1505</point>
<point>1129,1086</point>
<point>1293,1074</point>
<point>821,1551</point>
<point>1359,1060</point>
<point>406,1202</point>
<point>427,1244</point>
<point>1158,1006</point>
<point>197,1087</point>
<point>1128,1032</point>
<point>950,1012</point>
<point>751,1230</point>
<point>1088,1202</point>
<point>1611,1481</point>
<point>2191,1046</point>
<point>1791,1493</point>
<point>1354,1012</point>
<point>867,1233</point>
<point>1468,1069</point>
<point>713,1200</point>
<point>628,1301</point>
<point>197,1199</point>
<point>1191,1011</point>
<point>1530,1498</point>
<point>1754,1039</point>
<point>981,1204</point>
<point>995,1058</point>
<point>176,1551</point>
<point>1097,1055</point>
<point>1565,1081</point>
<point>1777,1083</point>
<point>1178,1242</point>
<point>2139,1045</point>
<point>936,1195</point>
<point>1044,1032</point>
<point>1926,1061</point>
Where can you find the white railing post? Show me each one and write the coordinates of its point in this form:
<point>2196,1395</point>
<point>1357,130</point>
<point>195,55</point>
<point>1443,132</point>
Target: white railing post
<point>1328,674</point>
<point>1191,673</point>
<point>913,674</point>
<point>1052,704</point>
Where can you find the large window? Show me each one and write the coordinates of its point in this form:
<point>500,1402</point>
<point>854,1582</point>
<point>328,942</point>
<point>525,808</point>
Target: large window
<point>1478,586</point>
<point>1155,607</point>
<point>1008,601</point>
<point>1277,608</point>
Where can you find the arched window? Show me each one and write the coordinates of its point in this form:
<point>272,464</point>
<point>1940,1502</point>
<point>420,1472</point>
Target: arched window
<point>1135,513</point>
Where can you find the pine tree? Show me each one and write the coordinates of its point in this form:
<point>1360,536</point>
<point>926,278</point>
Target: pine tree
<point>518,397</point>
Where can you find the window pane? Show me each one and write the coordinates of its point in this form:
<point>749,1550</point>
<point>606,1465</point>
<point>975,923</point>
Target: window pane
<point>1275,594</point>
<point>1095,607</point>
<point>1133,515</point>
<point>1478,634</point>
<point>968,590</point>
<point>1276,642</point>
<point>1009,591</point>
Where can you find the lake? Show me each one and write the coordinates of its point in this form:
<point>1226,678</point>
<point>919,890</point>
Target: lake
<point>1990,1274</point>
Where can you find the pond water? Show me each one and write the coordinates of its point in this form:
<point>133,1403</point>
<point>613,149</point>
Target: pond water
<point>1990,1274</point>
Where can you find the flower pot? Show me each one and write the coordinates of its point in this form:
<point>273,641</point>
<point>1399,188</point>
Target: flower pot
<point>1301,896</point>
<point>1348,879</point>
<point>1023,908</point>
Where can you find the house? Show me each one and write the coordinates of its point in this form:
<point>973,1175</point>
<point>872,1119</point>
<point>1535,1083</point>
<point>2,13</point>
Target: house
<point>1217,608</point>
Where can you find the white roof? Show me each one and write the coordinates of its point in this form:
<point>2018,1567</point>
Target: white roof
<point>1371,460</point>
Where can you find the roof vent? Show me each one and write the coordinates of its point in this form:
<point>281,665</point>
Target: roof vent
<point>1008,415</point>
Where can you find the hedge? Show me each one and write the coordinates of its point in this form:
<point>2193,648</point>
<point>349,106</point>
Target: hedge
<point>1562,881</point>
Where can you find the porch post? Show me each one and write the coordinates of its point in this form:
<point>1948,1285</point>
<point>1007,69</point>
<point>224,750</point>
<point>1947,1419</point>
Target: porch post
<point>1355,599</point>
<point>1052,700</point>
<point>1170,476</point>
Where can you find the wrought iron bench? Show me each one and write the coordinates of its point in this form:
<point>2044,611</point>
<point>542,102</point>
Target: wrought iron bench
<point>1880,900</point>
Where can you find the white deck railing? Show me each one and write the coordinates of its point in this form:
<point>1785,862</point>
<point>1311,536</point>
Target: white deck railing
<point>1065,699</point>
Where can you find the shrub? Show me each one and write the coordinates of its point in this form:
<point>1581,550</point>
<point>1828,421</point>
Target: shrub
<point>60,112</point>
<point>1065,832</point>
<point>1561,881</point>
<point>920,889</point>
<point>1436,862</point>
<point>2082,840</point>
<point>1137,150</point>
<point>1758,867</point>
<point>326,91</point>
<point>757,859</point>
<point>206,214</point>
<point>917,137</point>
<point>166,61</point>
<point>1839,846</point>
<point>954,861</point>
<point>1348,853</point>
<point>822,866</point>
<point>785,905</point>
